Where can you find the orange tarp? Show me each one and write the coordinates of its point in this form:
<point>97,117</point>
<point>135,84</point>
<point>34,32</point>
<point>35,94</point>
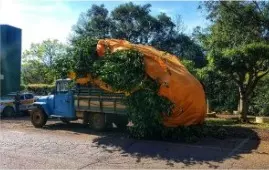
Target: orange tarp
<point>177,84</point>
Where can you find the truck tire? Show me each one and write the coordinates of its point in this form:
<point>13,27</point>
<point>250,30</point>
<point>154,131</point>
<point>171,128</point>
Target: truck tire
<point>97,121</point>
<point>38,117</point>
<point>86,119</point>
<point>8,112</point>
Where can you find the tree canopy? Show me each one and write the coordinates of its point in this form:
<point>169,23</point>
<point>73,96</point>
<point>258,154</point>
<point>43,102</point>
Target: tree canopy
<point>236,43</point>
<point>135,23</point>
<point>40,64</point>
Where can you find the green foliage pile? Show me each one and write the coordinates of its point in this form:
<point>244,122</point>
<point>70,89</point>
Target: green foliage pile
<point>145,110</point>
<point>84,52</point>
<point>124,71</point>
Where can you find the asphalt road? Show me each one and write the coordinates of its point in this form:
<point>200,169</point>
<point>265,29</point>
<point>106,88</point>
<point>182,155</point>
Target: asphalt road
<point>74,147</point>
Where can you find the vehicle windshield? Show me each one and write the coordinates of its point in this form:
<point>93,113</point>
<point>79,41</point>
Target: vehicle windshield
<point>63,86</point>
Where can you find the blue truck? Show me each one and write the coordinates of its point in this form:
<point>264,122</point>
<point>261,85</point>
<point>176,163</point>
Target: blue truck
<point>96,107</point>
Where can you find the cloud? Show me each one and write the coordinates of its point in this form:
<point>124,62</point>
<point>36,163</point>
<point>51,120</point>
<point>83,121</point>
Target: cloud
<point>39,20</point>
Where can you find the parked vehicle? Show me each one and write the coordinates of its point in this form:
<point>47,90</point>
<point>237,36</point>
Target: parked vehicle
<point>7,105</point>
<point>93,105</point>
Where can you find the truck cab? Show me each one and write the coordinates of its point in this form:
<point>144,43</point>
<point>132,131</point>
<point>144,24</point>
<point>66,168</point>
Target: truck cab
<point>58,104</point>
<point>71,102</point>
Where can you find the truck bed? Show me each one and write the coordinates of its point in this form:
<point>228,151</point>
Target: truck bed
<point>94,99</point>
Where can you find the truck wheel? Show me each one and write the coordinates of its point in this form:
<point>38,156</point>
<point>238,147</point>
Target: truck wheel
<point>38,118</point>
<point>8,112</point>
<point>85,118</point>
<point>97,121</point>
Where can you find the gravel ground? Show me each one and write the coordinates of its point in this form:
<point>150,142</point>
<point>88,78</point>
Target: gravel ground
<point>72,146</point>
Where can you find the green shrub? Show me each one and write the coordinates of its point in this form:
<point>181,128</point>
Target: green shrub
<point>40,89</point>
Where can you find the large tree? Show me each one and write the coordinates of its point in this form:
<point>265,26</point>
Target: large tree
<point>135,24</point>
<point>40,62</point>
<point>236,23</point>
<point>222,93</point>
<point>246,66</point>
<point>234,42</point>
<point>95,23</point>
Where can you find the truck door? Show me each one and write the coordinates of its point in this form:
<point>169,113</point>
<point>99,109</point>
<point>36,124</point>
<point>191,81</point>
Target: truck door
<point>63,101</point>
<point>29,100</point>
<point>22,105</point>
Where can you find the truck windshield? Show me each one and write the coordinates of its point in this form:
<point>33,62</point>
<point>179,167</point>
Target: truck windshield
<point>62,86</point>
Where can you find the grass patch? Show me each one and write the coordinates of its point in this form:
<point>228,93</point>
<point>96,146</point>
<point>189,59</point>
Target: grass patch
<point>257,125</point>
<point>220,121</point>
<point>234,123</point>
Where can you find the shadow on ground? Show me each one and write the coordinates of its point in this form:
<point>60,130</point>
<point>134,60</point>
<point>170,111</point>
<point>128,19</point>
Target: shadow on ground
<point>209,151</point>
<point>206,151</point>
<point>77,127</point>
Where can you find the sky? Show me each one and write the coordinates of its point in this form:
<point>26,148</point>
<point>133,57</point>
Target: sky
<point>44,19</point>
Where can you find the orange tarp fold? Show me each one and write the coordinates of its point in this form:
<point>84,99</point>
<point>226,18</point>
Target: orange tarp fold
<point>177,83</point>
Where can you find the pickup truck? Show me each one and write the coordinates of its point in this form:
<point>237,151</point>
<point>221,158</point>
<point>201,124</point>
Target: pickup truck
<point>7,106</point>
<point>96,107</point>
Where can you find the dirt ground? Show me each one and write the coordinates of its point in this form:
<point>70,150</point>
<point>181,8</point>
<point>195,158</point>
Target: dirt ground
<point>72,146</point>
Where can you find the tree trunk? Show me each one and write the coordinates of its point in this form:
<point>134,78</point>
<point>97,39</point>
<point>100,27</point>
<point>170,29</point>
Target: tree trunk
<point>208,106</point>
<point>243,107</point>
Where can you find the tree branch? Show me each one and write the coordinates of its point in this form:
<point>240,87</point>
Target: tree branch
<point>241,77</point>
<point>251,76</point>
<point>262,20</point>
<point>241,17</point>
<point>263,74</point>
<point>230,9</point>
<point>252,85</point>
<point>236,80</point>
<point>257,5</point>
